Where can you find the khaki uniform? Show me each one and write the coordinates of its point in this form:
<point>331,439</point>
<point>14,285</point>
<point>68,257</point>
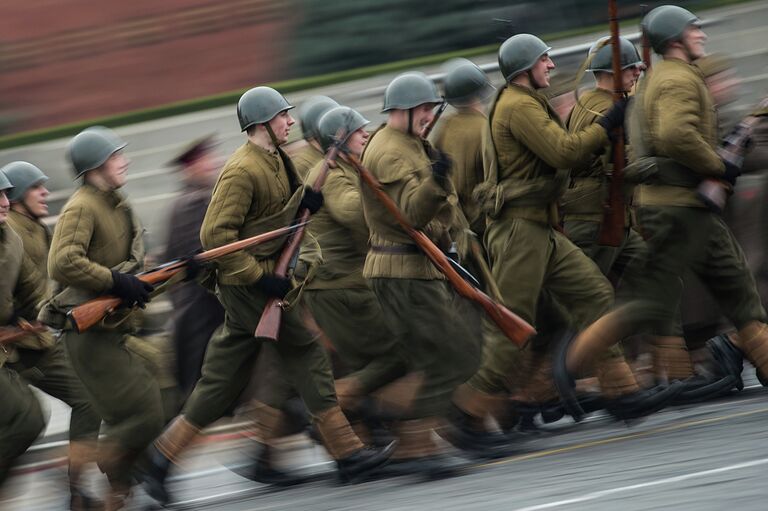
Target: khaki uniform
<point>527,254</point>
<point>678,134</point>
<point>41,362</point>
<point>583,202</point>
<point>338,296</point>
<point>306,158</point>
<point>257,191</point>
<point>465,137</point>
<point>96,232</point>
<point>21,418</point>
<point>417,301</point>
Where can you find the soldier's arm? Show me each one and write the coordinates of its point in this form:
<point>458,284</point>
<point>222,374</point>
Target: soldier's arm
<point>532,125</point>
<point>343,200</point>
<point>67,260</point>
<point>419,198</point>
<point>676,129</point>
<point>230,203</point>
<point>29,291</point>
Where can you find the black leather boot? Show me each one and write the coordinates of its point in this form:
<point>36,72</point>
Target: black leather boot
<point>363,462</point>
<point>644,402</point>
<point>152,474</point>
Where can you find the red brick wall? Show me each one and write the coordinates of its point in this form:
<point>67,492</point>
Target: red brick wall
<point>67,61</point>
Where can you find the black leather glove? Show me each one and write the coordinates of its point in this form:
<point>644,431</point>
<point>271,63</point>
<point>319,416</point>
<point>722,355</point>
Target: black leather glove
<point>614,118</point>
<point>732,172</point>
<point>441,163</point>
<point>130,289</point>
<point>274,285</point>
<point>312,200</point>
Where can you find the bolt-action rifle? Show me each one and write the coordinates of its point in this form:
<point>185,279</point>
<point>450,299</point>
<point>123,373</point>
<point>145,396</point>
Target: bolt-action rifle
<point>513,326</point>
<point>84,316</point>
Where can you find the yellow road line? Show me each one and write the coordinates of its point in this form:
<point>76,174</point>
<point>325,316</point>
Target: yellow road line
<point>593,443</point>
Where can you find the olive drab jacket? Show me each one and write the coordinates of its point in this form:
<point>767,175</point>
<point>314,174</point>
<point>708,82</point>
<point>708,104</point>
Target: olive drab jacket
<point>306,158</point>
<point>675,124</point>
<point>465,137</point>
<point>20,290</point>
<point>257,191</point>
<point>37,240</point>
<point>400,162</point>
<point>587,190</point>
<point>534,153</point>
<point>96,232</point>
<point>340,230</point>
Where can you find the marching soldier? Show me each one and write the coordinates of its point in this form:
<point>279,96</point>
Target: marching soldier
<point>464,136</point>
<point>196,312</point>
<point>338,296</point>
<point>582,207</point>
<point>528,254</point>
<point>678,134</point>
<point>21,418</point>
<point>310,113</point>
<point>97,248</point>
<point>257,190</point>
<point>416,299</point>
<point>39,359</point>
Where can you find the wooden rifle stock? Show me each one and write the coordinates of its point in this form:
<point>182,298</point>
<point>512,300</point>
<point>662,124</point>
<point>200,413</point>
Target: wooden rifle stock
<point>513,326</point>
<point>269,324</point>
<point>12,333</point>
<point>612,228</point>
<point>90,313</point>
<point>428,129</point>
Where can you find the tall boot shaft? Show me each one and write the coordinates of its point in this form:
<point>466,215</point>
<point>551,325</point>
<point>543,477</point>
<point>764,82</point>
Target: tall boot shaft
<point>338,437</point>
<point>616,378</point>
<point>671,359</point>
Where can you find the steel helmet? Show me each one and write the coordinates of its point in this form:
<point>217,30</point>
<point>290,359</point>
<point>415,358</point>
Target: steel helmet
<point>310,113</point>
<point>341,118</point>
<point>602,55</point>
<point>465,82</point>
<point>519,53</point>
<point>90,148</point>
<point>410,90</point>
<point>260,105</point>
<point>22,175</point>
<point>666,24</point>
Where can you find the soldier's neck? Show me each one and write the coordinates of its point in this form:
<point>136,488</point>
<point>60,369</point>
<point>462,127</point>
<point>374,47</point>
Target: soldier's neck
<point>98,182</point>
<point>261,139</point>
<point>475,107</point>
<point>21,209</point>
<point>677,53</point>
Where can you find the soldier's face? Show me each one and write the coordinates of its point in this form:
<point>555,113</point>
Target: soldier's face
<point>629,77</point>
<point>356,141</point>
<point>114,170</point>
<point>693,40</point>
<point>4,206</point>
<point>422,116</point>
<point>540,72</point>
<point>281,126</point>
<point>36,200</point>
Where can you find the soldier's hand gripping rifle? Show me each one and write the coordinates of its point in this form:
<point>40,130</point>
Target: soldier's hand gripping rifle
<point>612,228</point>
<point>269,324</point>
<point>513,326</point>
<point>90,313</point>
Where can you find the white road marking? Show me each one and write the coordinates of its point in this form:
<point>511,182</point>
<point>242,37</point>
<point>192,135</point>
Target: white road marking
<point>613,491</point>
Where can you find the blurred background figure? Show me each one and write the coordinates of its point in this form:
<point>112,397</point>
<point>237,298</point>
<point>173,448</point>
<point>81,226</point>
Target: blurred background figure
<point>196,312</point>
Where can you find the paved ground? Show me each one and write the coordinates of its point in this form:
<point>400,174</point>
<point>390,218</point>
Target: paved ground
<point>707,457</point>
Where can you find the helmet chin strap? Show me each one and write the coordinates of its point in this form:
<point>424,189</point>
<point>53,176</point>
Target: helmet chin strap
<point>271,134</point>
<point>410,121</point>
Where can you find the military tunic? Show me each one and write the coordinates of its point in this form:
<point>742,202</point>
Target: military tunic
<point>257,190</point>
<point>417,302</point>
<point>526,253</point>
<point>41,362</point>
<point>338,296</point>
<point>21,418</point>
<point>680,137</point>
<point>306,158</point>
<point>583,202</point>
<point>96,231</point>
